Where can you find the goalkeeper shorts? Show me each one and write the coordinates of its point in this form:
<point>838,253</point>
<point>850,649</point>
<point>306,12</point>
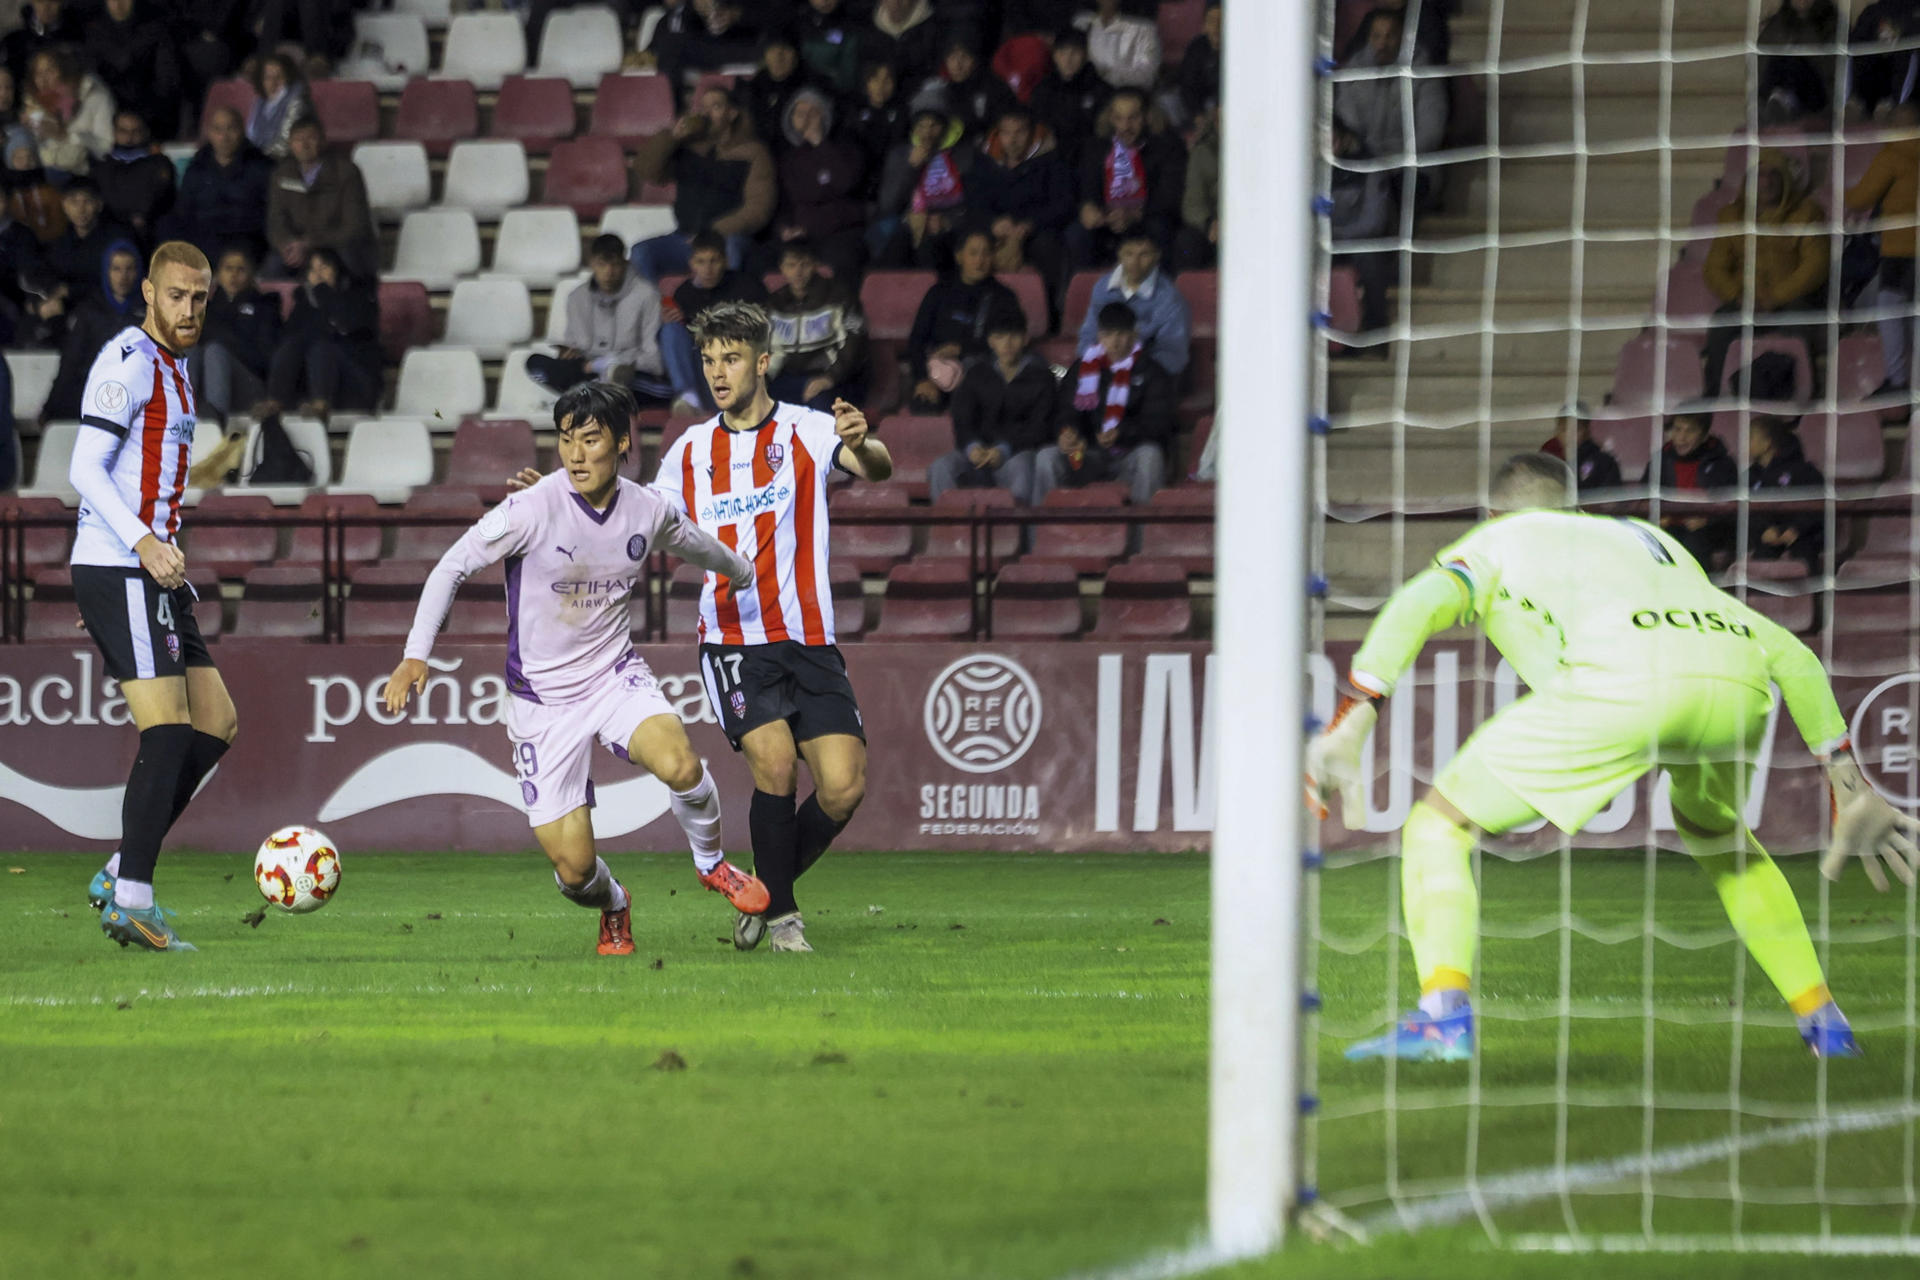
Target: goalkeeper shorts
<point>1565,751</point>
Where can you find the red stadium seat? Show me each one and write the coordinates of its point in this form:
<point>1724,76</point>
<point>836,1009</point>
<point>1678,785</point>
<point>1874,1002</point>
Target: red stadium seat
<point>1022,62</point>
<point>1632,441</point>
<point>1201,289</point>
<point>1690,303</point>
<point>1073,311</point>
<point>430,542</point>
<point>1795,611</point>
<point>914,443</point>
<point>1086,548</point>
<point>1343,302</point>
<point>1859,371</point>
<point>437,113</point>
<point>1145,600</point>
<point>407,319</point>
<point>1032,292</point>
<point>849,603</point>
<point>209,611</point>
<point>381,600</point>
<point>230,551</point>
<point>1847,448</point>
<point>45,546</point>
<point>1636,368</point>
<point>52,613</point>
<point>1036,602</point>
<point>887,381</point>
<point>870,548</point>
<point>1179,22</point>
<point>587,173</point>
<point>479,613</point>
<point>631,108</point>
<point>349,110</point>
<point>1188,545</point>
<point>930,600</point>
<point>1203,376</point>
<point>235,93</point>
<point>683,602</point>
<point>362,541</point>
<point>488,451</point>
<point>1887,555</point>
<point>536,112</point>
<point>282,602</point>
<point>891,299</point>
<point>956,540</point>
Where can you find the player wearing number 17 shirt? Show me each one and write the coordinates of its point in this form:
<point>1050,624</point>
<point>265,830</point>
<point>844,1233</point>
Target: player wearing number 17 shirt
<point>131,469</point>
<point>755,476</point>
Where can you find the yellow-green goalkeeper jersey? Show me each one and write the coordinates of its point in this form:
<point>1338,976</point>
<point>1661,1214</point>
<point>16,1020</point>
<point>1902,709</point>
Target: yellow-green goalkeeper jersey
<point>1559,593</point>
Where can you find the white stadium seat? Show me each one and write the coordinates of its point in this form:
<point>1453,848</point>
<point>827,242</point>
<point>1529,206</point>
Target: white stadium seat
<point>485,48</point>
<point>435,13</point>
<point>309,439</point>
<point>580,44</point>
<point>388,48</point>
<point>492,315</point>
<point>636,222</point>
<point>537,245</point>
<point>396,175</point>
<point>32,373</point>
<point>440,386</point>
<point>557,309</point>
<point>437,247</point>
<point>387,459</point>
<point>649,22</point>
<point>520,396</point>
<point>56,459</point>
<point>488,177</point>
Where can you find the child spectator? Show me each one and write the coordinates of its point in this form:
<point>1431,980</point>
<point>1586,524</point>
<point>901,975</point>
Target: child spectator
<point>1594,466</point>
<point>70,112</point>
<point>1131,178</point>
<point>329,352</point>
<point>229,365</point>
<point>1890,185</point>
<point>710,282</point>
<point>1163,321</point>
<point>819,334</point>
<point>1789,263</point>
<point>113,305</point>
<point>951,326</point>
<point>821,177</point>
<point>1121,425</point>
<point>1068,98</point>
<point>1694,461</point>
<point>282,104</point>
<point>136,181</point>
<point>1777,466</point>
<point>77,255</point>
<point>319,201</point>
<point>1004,412</point>
<point>923,194</point>
<point>723,180</point>
<point>1124,50</point>
<point>223,194</point>
<point>612,331</point>
<point>1023,191</point>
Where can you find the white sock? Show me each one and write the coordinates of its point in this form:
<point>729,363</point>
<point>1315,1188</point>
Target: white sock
<point>697,810</point>
<point>133,895</point>
<point>600,891</point>
<point>113,864</point>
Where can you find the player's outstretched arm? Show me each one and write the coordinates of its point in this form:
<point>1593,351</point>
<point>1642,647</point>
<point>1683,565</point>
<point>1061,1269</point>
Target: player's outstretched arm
<point>696,546</point>
<point>860,453</point>
<point>500,533</point>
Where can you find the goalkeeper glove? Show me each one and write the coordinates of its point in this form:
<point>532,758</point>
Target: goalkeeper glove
<point>1867,827</point>
<point>1333,758</point>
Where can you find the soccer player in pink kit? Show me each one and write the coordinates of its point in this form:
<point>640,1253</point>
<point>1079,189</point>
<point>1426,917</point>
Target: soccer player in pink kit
<point>573,545</point>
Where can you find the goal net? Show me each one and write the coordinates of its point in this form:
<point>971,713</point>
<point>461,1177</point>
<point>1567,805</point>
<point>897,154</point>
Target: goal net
<point>1597,224</point>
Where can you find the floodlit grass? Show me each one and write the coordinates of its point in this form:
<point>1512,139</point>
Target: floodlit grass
<point>993,1066</point>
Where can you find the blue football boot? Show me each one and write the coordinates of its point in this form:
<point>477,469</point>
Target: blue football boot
<point>1421,1037</point>
<point>1826,1033</point>
<point>146,928</point>
<point>100,892</point>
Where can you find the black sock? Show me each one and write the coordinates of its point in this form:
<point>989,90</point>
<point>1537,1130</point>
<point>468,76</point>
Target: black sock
<point>202,755</point>
<point>817,831</point>
<point>776,840</point>
<point>145,812</point>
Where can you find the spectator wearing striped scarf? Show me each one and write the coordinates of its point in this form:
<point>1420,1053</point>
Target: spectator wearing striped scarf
<point>1119,421</point>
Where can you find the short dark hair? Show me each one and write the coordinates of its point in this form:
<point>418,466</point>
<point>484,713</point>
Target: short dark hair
<point>707,240</point>
<point>871,65</point>
<point>1002,318</point>
<point>1117,317</point>
<point>321,253</point>
<point>1014,111</point>
<point>607,403</point>
<point>800,248</point>
<point>1136,233</point>
<point>607,248</point>
<point>742,322</point>
<point>81,185</point>
<point>242,248</point>
<point>309,121</point>
<point>1073,36</point>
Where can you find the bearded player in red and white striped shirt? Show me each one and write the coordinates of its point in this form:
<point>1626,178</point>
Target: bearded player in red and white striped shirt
<point>755,476</point>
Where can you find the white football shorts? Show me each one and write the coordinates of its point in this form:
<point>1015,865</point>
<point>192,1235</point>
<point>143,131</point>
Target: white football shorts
<point>553,744</point>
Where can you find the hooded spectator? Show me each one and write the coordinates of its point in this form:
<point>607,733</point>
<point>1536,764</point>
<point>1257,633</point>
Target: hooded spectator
<point>112,305</point>
<point>819,334</point>
<point>1132,177</point>
<point>329,354</point>
<point>318,200</point>
<point>1068,99</point>
<point>130,48</point>
<point>223,194</point>
<point>1789,255</point>
<point>282,104</point>
<point>723,180</point>
<point>136,181</point>
<point>69,111</point>
<point>821,177</point>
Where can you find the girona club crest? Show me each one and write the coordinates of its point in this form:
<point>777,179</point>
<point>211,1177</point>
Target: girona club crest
<point>776,455</point>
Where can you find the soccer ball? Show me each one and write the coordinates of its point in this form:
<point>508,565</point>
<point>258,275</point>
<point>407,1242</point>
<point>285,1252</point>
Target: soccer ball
<point>297,869</point>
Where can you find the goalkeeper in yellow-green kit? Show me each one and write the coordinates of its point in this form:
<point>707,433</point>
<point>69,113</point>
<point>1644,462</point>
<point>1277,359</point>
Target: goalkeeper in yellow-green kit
<point>1635,661</point>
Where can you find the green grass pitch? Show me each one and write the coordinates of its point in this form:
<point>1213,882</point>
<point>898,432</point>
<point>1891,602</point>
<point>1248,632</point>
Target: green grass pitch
<point>993,1066</point>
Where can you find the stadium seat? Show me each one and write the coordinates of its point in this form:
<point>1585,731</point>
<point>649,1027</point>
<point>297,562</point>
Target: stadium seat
<point>437,114</point>
<point>956,540</point>
<point>1742,353</point>
<point>1203,374</point>
<point>915,443</point>
<point>1079,296</point>
<point>891,299</point>
<point>1857,455</point>
<point>32,374</point>
<point>406,318</point>
<point>361,542</point>
<point>1087,548</point>
<point>52,611</point>
<point>535,113</point>
<point>636,222</point>
<point>1180,23</point>
<point>587,173</point>
<point>870,548</point>
<point>1795,610</point>
<point>1145,600</point>
<point>1635,370</point>
<point>349,110</point>
<point>1201,289</point>
<point>1631,441</point>
<point>389,48</point>
<point>426,543</point>
<point>51,466</point>
<point>484,48</point>
<point>387,459</point>
<point>396,175</point>
<point>1188,545</point>
<point>1343,301</point>
<point>1035,602</point>
<point>309,438</point>
<point>492,315</point>
<point>1032,292</point>
<point>440,386</point>
<point>49,545</point>
<point>488,177</point>
<point>538,245</point>
<point>1858,370</point>
<point>236,93</point>
<point>1888,554</point>
<point>282,602</point>
<point>229,551</point>
<point>486,451</point>
<point>520,396</point>
<point>581,44</point>
<point>437,247</point>
<point>209,610</point>
<point>557,306</point>
<point>927,601</point>
<point>631,108</point>
<point>436,14</point>
<point>382,598</point>
<point>1690,303</point>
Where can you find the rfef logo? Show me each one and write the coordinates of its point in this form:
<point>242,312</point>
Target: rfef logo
<point>1886,739</point>
<point>983,713</point>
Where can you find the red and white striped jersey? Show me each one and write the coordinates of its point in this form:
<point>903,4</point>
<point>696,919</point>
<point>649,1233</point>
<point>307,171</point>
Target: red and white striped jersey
<point>138,391</point>
<point>763,493</point>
